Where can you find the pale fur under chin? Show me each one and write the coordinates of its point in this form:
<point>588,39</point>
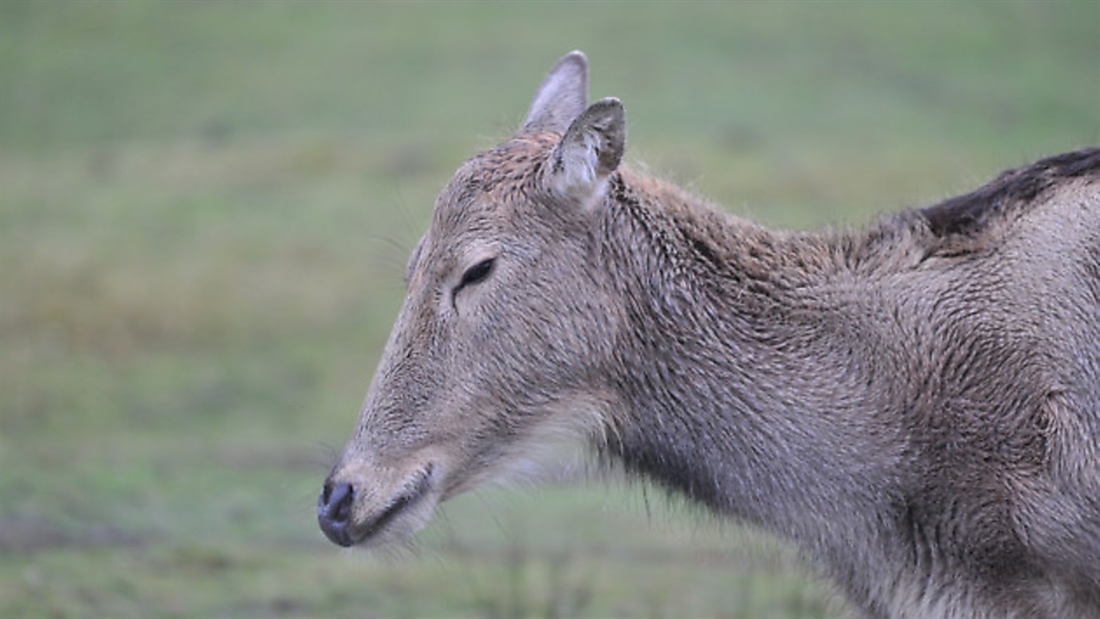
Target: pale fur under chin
<point>400,531</point>
<point>557,450</point>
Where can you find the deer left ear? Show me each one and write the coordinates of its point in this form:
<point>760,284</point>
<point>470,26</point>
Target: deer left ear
<point>590,151</point>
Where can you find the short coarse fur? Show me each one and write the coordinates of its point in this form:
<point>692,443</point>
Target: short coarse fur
<point>915,404</point>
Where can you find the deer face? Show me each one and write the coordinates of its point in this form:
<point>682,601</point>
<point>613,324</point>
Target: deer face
<point>505,327</point>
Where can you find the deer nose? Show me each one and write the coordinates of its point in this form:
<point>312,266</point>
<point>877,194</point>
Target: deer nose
<point>334,511</point>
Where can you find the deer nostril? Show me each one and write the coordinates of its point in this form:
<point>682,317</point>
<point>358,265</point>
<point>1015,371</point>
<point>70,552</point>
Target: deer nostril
<point>336,501</point>
<point>334,510</point>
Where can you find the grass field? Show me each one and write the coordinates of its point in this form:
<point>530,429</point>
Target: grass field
<point>205,208</point>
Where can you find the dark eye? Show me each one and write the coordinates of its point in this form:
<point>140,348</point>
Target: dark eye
<point>476,273</point>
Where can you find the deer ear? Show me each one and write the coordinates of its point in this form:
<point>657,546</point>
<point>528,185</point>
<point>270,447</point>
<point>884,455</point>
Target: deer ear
<point>590,151</point>
<point>562,96</point>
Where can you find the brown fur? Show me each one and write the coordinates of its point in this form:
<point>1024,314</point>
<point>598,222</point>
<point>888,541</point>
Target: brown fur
<point>916,404</point>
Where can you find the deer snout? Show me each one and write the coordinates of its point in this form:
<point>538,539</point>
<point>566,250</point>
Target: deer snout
<point>361,506</point>
<point>334,511</point>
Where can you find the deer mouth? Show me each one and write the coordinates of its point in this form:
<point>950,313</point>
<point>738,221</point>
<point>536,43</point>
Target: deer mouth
<point>414,494</point>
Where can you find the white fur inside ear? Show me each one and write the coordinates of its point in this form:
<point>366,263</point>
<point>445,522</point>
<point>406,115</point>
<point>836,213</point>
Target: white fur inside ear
<point>589,152</point>
<point>577,173</point>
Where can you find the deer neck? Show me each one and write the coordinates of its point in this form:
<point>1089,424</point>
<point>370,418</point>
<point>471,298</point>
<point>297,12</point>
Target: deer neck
<point>733,370</point>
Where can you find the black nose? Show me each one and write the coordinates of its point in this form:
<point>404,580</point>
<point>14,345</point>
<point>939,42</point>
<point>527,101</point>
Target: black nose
<point>334,512</point>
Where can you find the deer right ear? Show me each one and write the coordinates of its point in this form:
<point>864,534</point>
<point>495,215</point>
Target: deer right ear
<point>590,151</point>
<point>562,96</point>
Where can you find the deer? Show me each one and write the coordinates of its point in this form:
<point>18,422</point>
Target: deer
<point>915,403</point>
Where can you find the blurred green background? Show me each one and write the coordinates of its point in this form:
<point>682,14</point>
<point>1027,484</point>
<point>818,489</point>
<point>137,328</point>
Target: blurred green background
<point>205,208</point>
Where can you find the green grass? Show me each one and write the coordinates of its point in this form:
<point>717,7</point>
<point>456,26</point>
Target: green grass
<point>204,215</point>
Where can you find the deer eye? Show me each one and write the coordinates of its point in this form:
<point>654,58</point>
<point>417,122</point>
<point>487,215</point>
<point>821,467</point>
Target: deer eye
<point>476,273</point>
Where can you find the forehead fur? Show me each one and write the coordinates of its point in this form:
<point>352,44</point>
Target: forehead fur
<point>495,178</point>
